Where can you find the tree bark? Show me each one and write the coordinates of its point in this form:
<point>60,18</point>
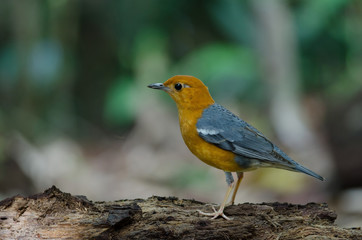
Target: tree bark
<point>57,215</point>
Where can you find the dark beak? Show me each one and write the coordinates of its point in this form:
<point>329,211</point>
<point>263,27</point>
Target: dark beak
<point>158,86</point>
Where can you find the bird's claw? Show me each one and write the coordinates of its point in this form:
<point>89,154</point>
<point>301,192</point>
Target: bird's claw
<point>215,214</point>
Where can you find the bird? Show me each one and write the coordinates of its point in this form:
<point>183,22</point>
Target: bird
<point>221,139</point>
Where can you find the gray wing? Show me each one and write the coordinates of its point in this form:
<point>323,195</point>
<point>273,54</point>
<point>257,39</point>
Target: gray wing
<point>219,126</point>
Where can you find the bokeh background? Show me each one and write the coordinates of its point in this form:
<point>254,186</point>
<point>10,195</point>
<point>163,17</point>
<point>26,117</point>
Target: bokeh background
<point>75,111</point>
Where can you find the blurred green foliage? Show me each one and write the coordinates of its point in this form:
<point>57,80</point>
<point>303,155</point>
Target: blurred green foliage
<point>223,66</point>
<point>120,102</point>
<point>64,63</point>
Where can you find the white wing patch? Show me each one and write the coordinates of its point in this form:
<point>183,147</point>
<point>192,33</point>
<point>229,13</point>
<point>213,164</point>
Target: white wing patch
<point>205,131</point>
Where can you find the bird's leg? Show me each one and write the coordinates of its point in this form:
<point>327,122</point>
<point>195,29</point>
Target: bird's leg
<point>220,212</point>
<point>240,177</point>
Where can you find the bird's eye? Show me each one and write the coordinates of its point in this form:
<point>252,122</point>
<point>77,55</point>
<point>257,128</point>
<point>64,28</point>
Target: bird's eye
<point>178,86</point>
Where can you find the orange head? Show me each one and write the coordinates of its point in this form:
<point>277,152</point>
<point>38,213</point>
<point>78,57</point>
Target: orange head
<point>188,92</point>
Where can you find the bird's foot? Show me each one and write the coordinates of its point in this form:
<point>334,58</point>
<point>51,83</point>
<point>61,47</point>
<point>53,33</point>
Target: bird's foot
<point>229,204</point>
<point>215,214</point>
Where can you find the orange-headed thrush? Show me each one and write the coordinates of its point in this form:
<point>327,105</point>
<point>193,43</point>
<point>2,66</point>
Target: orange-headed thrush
<point>221,139</point>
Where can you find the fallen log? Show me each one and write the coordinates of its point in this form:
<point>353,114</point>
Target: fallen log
<point>58,215</point>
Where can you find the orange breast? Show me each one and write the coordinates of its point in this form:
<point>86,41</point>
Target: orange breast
<point>206,152</point>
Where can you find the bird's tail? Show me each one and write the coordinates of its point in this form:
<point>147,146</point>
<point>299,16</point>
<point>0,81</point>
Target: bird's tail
<point>300,168</point>
<point>292,165</point>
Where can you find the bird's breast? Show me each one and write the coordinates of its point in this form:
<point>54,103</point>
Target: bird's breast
<point>206,152</point>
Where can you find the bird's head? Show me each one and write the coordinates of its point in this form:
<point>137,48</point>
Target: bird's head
<point>187,91</point>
